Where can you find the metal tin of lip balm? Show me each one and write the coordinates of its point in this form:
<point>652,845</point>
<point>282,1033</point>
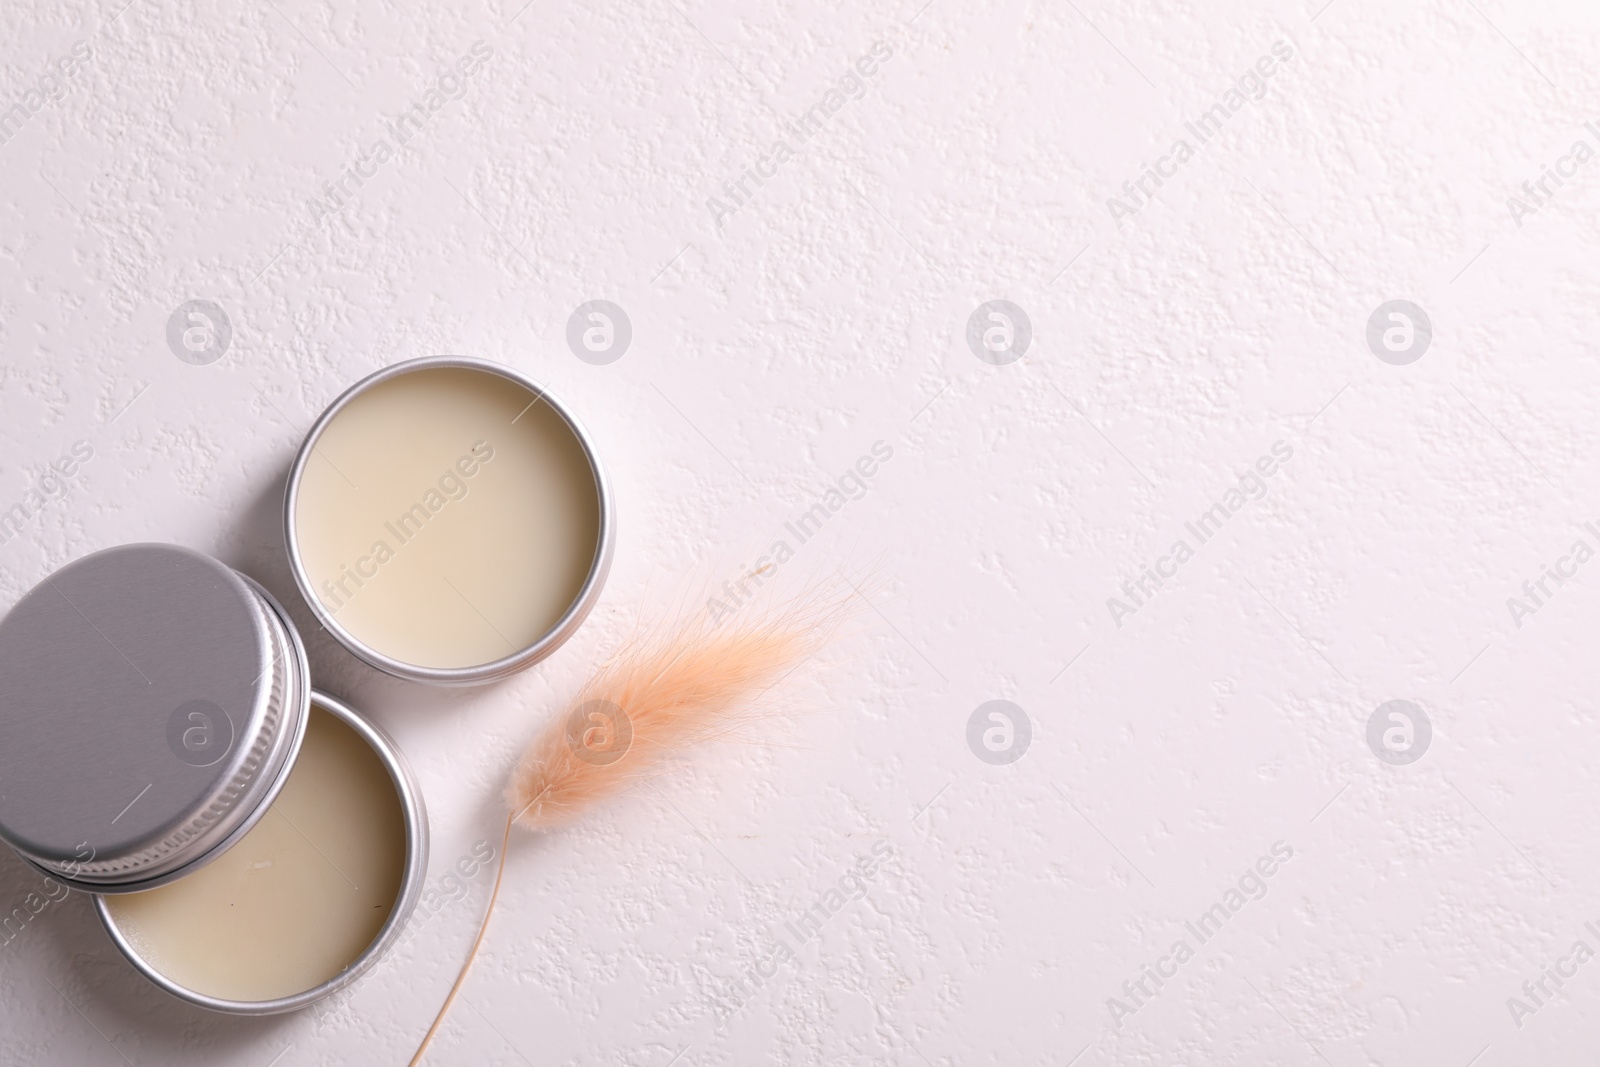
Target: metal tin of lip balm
<point>152,701</point>
<point>519,658</point>
<point>411,883</point>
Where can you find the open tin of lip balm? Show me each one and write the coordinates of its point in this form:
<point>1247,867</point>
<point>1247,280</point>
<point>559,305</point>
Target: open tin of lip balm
<point>253,846</point>
<point>448,521</point>
<point>308,900</point>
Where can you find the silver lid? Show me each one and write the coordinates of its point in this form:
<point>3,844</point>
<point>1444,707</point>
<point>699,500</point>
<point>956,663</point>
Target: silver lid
<point>151,702</point>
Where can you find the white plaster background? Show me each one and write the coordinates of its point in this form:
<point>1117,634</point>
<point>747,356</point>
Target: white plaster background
<point>768,354</point>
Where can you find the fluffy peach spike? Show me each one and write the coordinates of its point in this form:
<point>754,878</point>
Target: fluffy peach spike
<point>690,685</point>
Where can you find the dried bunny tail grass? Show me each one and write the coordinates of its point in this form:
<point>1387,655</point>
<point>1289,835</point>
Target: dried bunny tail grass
<point>693,682</point>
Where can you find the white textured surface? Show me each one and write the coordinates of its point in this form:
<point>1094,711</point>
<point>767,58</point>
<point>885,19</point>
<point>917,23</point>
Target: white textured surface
<point>828,313</point>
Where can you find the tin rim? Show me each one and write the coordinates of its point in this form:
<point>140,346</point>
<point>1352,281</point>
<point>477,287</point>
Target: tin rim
<point>480,673</point>
<point>411,882</point>
<point>297,709</point>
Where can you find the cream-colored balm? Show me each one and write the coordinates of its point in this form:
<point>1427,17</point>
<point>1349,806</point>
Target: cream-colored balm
<point>447,517</point>
<point>299,897</point>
